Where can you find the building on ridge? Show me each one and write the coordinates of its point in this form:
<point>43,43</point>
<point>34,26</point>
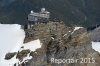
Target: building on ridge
<point>38,17</point>
<point>35,16</point>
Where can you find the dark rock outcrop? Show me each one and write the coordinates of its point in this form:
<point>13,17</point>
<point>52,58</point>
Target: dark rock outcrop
<point>10,55</point>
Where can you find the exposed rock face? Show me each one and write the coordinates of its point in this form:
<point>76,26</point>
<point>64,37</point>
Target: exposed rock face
<point>95,34</point>
<point>61,42</point>
<point>9,55</point>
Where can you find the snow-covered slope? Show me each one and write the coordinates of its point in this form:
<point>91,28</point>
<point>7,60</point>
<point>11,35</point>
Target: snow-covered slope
<point>96,46</point>
<point>10,37</point>
<point>11,40</point>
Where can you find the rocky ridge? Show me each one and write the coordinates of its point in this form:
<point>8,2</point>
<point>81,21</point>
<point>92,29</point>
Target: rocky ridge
<point>59,42</point>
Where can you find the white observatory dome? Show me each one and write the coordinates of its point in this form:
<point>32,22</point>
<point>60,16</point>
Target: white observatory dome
<point>32,11</point>
<point>42,9</point>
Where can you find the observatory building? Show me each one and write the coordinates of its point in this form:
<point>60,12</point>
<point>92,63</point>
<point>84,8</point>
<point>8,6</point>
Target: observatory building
<point>42,15</point>
<point>38,17</point>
